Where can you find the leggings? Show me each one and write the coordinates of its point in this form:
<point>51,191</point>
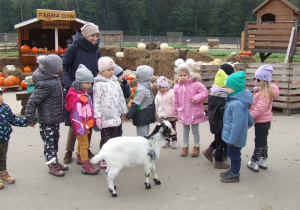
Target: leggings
<point>195,131</point>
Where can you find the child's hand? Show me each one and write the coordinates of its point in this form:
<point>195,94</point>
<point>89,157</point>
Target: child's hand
<point>98,123</point>
<point>192,100</point>
<point>124,117</point>
<point>31,125</point>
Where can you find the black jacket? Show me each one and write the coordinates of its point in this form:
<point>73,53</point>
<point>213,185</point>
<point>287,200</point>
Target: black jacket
<point>216,105</point>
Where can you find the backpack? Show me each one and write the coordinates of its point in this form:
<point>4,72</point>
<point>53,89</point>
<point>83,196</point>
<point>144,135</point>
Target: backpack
<point>216,118</point>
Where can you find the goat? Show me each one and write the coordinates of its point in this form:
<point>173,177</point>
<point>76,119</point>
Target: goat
<point>125,151</point>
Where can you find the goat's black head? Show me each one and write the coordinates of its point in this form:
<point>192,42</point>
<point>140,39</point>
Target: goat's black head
<point>168,131</point>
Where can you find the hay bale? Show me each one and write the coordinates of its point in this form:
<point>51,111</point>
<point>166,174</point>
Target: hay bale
<point>4,61</point>
<point>110,50</point>
<point>164,55</point>
<point>136,53</point>
<point>127,63</point>
<point>16,73</point>
<point>165,68</point>
<point>143,61</point>
<point>241,59</point>
<point>197,56</point>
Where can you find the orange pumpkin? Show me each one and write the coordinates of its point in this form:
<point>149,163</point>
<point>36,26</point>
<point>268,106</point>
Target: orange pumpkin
<point>42,51</point>
<point>35,50</point>
<point>8,82</point>
<point>61,51</point>
<point>23,84</point>
<point>25,49</point>
<point>2,81</point>
<point>1,74</point>
<point>27,69</point>
<point>16,80</point>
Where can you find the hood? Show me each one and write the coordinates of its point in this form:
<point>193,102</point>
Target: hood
<point>40,75</point>
<point>190,80</point>
<point>85,44</point>
<point>100,78</point>
<point>72,97</point>
<point>244,96</point>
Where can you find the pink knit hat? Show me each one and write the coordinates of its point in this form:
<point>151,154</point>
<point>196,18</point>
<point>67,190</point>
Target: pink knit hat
<point>105,63</point>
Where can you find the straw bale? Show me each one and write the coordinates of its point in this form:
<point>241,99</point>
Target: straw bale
<point>127,63</point>
<point>164,55</point>
<point>4,61</point>
<point>197,56</point>
<point>16,73</point>
<point>165,68</point>
<point>143,61</point>
<point>136,53</point>
<point>241,59</point>
<point>110,50</point>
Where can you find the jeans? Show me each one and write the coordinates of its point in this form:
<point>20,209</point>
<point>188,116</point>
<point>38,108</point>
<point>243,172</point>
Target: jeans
<point>234,153</point>
<point>142,130</point>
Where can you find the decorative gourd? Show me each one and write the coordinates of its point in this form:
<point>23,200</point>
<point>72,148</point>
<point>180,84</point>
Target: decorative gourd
<point>27,69</point>
<point>8,82</point>
<point>141,46</point>
<point>2,81</point>
<point>203,49</point>
<point>23,84</point>
<point>25,49</point>
<point>34,50</point>
<point>164,46</point>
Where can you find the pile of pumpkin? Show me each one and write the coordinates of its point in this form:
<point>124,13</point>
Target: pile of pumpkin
<point>11,80</point>
<point>26,49</point>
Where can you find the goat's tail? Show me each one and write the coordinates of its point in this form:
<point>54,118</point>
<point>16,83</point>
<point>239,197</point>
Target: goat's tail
<point>96,159</point>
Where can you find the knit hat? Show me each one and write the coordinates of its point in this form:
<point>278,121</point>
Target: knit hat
<point>50,63</point>
<point>184,67</point>
<point>236,81</point>
<point>89,29</point>
<point>228,68</point>
<point>264,73</point>
<point>118,71</point>
<point>105,63</point>
<point>1,91</point>
<point>83,74</point>
<point>162,82</point>
<point>220,78</point>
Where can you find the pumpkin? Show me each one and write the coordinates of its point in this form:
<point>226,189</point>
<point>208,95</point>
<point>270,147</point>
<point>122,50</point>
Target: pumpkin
<point>164,46</point>
<point>27,69</point>
<point>119,54</point>
<point>42,51</point>
<point>141,46</point>
<point>2,81</point>
<point>8,82</point>
<point>203,49</point>
<point>1,74</point>
<point>16,80</point>
<point>35,50</point>
<point>23,84</point>
<point>249,53</point>
<point>61,50</point>
<point>25,49</point>
<point>241,53</point>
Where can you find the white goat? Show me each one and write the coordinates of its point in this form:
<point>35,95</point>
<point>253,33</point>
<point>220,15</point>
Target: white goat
<point>128,151</point>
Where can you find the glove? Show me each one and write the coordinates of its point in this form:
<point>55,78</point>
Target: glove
<point>124,81</point>
<point>98,123</point>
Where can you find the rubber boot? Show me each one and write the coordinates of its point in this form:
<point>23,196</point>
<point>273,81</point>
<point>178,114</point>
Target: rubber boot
<point>253,165</point>
<point>184,152</point>
<point>208,153</point>
<point>88,169</point>
<point>78,160</point>
<point>221,165</point>
<point>195,152</point>
<point>262,163</point>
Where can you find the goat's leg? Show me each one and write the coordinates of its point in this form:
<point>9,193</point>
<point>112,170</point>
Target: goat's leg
<point>111,173</point>
<point>147,170</point>
<point>154,175</point>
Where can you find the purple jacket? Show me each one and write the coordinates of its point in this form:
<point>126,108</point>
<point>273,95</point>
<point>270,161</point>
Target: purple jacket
<point>189,113</point>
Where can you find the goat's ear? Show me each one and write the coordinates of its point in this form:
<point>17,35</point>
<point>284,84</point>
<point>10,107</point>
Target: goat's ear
<point>161,122</point>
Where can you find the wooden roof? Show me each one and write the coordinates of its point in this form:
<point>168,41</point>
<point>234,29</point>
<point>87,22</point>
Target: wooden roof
<point>33,20</point>
<point>289,4</point>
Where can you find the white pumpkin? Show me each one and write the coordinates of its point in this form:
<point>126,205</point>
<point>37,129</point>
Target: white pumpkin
<point>203,49</point>
<point>164,46</point>
<point>141,46</point>
<point>217,60</point>
<point>119,54</point>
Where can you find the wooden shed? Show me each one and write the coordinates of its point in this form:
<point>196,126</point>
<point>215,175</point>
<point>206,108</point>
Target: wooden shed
<point>108,37</point>
<point>275,31</point>
<point>50,30</point>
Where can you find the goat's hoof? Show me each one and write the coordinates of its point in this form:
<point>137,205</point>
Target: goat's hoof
<point>148,186</point>
<point>115,187</point>
<point>156,181</point>
<point>113,194</point>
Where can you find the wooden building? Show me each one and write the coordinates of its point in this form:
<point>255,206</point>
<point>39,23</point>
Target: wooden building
<point>111,37</point>
<point>275,31</point>
<point>50,30</point>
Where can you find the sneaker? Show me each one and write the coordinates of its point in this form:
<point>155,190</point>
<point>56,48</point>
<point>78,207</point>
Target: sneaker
<point>56,171</point>
<point>62,167</point>
<point>4,177</point>
<point>230,178</point>
<point>166,144</point>
<point>223,174</point>
<point>102,164</point>
<point>253,165</point>
<point>174,145</point>
<point>68,158</point>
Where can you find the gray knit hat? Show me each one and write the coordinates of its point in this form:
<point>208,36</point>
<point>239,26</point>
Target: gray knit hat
<point>118,71</point>
<point>89,29</point>
<point>50,63</point>
<point>83,74</point>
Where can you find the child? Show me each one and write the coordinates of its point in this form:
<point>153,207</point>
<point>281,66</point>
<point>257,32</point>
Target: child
<point>261,111</point>
<point>216,104</point>
<point>118,72</point>
<point>236,121</point>
<point>109,102</point>
<point>142,110</point>
<point>7,118</point>
<point>45,106</point>
<point>80,106</point>
<point>189,93</point>
<point>164,107</point>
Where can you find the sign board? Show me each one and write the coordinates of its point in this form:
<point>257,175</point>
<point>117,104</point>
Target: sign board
<point>55,24</point>
<point>50,15</point>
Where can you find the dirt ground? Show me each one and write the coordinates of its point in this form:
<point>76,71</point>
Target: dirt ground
<point>187,183</point>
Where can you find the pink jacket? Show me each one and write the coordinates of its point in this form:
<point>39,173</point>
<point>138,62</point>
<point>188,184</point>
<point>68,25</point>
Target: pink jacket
<point>261,109</point>
<point>189,113</point>
<point>164,104</point>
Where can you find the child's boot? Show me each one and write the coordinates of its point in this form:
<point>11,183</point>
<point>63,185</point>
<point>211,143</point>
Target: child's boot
<point>195,152</point>
<point>221,165</point>
<point>174,145</point>
<point>208,153</point>
<point>253,165</point>
<point>56,171</point>
<point>166,144</point>
<point>1,185</point>
<point>230,177</point>
<point>62,167</point>
<point>68,157</point>
<point>262,163</point>
<point>87,168</point>
<point>4,177</point>
<point>184,151</point>
<point>78,160</point>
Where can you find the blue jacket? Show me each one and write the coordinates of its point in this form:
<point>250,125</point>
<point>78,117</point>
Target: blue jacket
<point>8,118</point>
<point>81,51</point>
<point>237,118</point>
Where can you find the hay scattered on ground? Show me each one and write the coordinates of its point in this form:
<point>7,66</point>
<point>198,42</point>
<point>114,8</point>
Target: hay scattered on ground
<point>197,56</point>
<point>110,50</point>
<point>164,55</point>
<point>241,59</point>
<point>135,53</point>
